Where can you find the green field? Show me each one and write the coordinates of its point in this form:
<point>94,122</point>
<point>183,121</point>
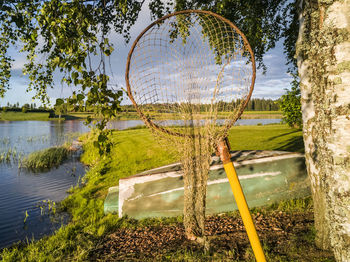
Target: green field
<point>19,116</point>
<point>135,151</point>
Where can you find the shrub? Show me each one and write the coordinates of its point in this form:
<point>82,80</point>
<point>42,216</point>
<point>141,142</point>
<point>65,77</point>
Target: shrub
<point>291,106</point>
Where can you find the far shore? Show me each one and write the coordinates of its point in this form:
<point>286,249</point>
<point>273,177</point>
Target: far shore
<point>45,116</point>
<point>29,116</point>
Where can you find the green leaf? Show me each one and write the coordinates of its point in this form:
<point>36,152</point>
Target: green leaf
<point>75,75</point>
<point>102,138</point>
<point>80,97</point>
<point>59,101</point>
<point>96,144</point>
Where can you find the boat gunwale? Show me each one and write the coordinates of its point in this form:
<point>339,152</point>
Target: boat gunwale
<point>276,155</point>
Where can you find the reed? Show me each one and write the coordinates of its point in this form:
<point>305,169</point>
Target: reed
<point>46,159</point>
<point>10,155</point>
<point>5,141</point>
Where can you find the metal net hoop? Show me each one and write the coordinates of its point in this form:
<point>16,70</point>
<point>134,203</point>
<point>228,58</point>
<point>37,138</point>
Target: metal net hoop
<point>189,66</point>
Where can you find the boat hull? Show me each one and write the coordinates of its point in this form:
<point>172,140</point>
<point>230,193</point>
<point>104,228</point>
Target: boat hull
<point>266,177</point>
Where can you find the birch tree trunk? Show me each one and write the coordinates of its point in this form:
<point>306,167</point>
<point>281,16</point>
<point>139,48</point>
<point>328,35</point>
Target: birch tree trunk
<point>323,54</point>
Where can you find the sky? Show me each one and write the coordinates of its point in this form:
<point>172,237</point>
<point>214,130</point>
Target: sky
<point>272,84</point>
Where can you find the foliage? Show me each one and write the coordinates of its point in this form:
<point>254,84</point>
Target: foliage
<point>25,108</point>
<point>61,109</point>
<point>64,36</point>
<point>291,106</point>
<point>261,104</point>
<point>290,33</point>
<point>71,32</point>
<point>261,21</point>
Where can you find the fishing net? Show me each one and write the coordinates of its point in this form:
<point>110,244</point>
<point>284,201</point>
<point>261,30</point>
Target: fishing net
<point>190,75</point>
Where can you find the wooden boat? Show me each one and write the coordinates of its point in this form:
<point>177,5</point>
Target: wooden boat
<point>266,177</point>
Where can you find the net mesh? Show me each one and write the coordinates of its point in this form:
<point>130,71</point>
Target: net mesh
<point>189,76</point>
<point>194,63</point>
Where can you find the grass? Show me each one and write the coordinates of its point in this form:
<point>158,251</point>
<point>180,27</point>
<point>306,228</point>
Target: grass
<point>20,116</point>
<point>268,137</point>
<point>46,159</point>
<point>136,151</point>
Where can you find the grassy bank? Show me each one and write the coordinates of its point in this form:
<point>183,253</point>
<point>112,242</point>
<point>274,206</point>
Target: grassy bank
<point>135,151</point>
<point>20,116</point>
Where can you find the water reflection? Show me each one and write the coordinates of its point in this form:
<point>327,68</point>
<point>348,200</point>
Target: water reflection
<point>121,125</point>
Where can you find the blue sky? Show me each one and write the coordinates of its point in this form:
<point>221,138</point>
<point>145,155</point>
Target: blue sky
<point>270,85</point>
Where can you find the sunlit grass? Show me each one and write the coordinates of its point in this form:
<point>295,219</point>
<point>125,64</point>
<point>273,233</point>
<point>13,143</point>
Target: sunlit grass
<point>20,116</point>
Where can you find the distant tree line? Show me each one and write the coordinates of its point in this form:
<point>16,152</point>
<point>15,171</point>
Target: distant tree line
<point>255,104</point>
<point>258,104</point>
<point>24,108</point>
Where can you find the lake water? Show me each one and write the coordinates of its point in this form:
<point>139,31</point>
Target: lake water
<point>22,191</point>
<point>132,123</point>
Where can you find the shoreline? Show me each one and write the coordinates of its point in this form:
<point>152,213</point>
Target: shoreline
<point>40,116</point>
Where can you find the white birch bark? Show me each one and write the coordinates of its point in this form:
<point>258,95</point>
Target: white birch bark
<point>326,121</point>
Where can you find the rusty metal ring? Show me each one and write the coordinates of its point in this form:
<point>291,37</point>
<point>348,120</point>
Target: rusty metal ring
<point>148,121</point>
